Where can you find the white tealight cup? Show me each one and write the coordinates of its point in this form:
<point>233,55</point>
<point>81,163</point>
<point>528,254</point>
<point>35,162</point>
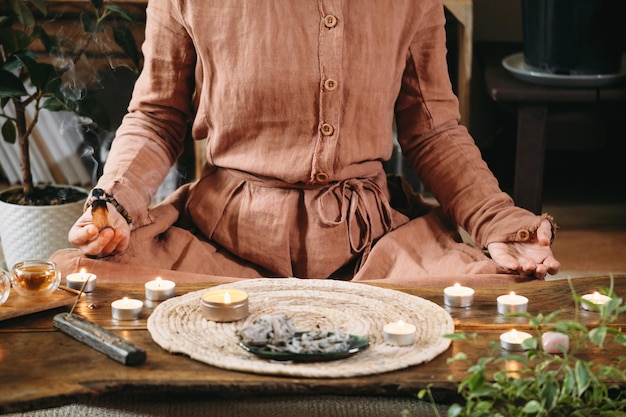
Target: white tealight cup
<point>458,296</point>
<point>159,289</point>
<point>593,302</point>
<point>512,303</point>
<point>513,340</point>
<point>399,333</point>
<point>76,281</point>
<point>126,309</point>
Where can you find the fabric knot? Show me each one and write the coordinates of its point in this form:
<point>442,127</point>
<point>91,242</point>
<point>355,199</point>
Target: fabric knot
<point>356,210</point>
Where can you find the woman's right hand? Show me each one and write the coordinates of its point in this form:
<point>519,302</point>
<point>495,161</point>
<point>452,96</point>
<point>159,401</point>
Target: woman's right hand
<point>91,241</point>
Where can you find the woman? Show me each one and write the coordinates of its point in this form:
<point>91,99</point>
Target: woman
<point>297,100</point>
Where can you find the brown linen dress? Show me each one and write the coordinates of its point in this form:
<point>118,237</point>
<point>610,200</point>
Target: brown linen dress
<point>297,100</point>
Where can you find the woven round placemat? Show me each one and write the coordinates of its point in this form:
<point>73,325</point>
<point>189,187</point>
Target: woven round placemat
<point>177,325</point>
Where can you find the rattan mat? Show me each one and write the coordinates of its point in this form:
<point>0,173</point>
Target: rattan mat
<point>177,325</point>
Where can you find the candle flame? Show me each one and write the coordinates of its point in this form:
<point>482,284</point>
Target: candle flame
<point>158,282</point>
<point>457,285</point>
<point>83,271</point>
<point>400,323</point>
<point>512,294</point>
<point>226,298</point>
<point>514,334</point>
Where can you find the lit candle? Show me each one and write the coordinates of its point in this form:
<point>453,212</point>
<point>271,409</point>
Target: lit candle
<point>592,302</point>
<point>224,305</point>
<point>513,340</point>
<point>399,333</point>
<point>76,280</point>
<point>5,287</point>
<point>126,309</point>
<point>159,289</point>
<point>512,303</point>
<point>458,296</point>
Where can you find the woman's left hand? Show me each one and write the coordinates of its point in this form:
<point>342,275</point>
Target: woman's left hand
<point>533,258</point>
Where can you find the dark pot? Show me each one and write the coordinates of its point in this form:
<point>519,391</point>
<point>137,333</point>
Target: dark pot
<point>574,36</point>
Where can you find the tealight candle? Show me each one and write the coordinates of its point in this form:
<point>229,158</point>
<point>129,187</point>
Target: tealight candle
<point>76,281</point>
<point>513,340</point>
<point>458,296</point>
<point>512,303</point>
<point>224,305</point>
<point>592,302</point>
<point>399,333</point>
<point>5,287</point>
<point>126,309</point>
<point>159,289</point>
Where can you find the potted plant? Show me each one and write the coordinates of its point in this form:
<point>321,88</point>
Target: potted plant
<point>38,71</point>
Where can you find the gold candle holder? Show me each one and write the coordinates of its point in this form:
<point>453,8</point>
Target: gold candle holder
<point>224,305</point>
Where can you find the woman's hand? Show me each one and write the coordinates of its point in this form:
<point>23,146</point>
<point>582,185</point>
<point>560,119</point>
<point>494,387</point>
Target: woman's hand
<point>533,257</point>
<point>92,241</point>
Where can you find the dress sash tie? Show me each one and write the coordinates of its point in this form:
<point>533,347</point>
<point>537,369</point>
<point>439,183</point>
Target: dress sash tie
<point>355,209</point>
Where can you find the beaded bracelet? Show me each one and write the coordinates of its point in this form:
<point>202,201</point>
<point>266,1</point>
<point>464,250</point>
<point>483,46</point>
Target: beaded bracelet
<point>99,194</point>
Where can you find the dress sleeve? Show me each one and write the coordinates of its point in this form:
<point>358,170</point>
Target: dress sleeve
<point>152,134</point>
<point>442,152</point>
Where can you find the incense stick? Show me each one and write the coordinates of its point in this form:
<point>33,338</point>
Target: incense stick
<point>80,293</point>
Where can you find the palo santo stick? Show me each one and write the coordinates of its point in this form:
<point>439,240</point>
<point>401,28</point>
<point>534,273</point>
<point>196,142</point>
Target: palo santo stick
<point>100,214</point>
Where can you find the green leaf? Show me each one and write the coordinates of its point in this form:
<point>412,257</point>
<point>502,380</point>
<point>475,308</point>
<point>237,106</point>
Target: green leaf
<point>10,85</point>
<point>121,12</point>
<point>14,40</point>
<point>568,384</point>
<point>582,374</point>
<point>598,335</point>
<point>455,410</point>
<point>41,5</point>
<point>460,356</point>
<point>90,25</point>
<point>125,39</point>
<point>549,393</point>
<point>620,338</point>
<point>530,343</point>
<point>532,407</point>
<point>53,104</point>
<point>23,13</point>
<point>9,132</point>
<point>455,336</point>
<point>37,71</point>
<point>48,42</point>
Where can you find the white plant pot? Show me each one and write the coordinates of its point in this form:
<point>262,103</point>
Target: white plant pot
<point>35,232</point>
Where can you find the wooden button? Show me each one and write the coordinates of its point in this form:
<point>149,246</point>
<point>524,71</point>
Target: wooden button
<point>330,85</point>
<point>321,177</point>
<point>327,129</point>
<point>523,235</point>
<point>330,21</point>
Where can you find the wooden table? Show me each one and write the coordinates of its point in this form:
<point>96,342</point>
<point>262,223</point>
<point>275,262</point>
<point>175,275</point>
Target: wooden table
<point>533,105</point>
<point>42,367</point>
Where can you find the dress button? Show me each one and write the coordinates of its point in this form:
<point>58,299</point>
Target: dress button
<point>330,21</point>
<point>330,84</point>
<point>321,177</point>
<point>327,129</point>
